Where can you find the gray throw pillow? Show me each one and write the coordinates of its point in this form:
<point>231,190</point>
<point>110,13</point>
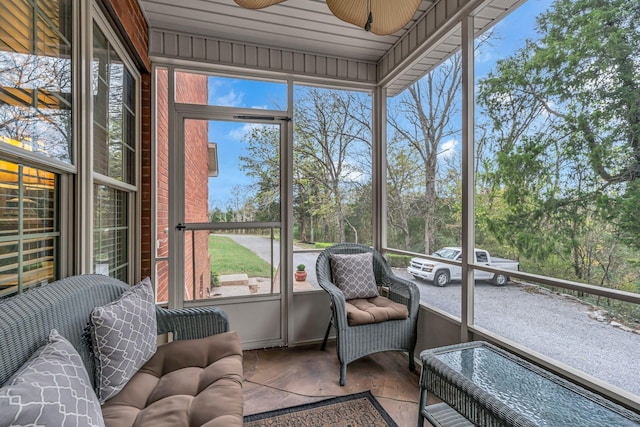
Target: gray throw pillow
<point>51,389</point>
<point>353,274</point>
<point>123,334</point>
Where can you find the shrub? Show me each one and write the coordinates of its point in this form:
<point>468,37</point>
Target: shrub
<point>215,279</point>
<point>399,261</point>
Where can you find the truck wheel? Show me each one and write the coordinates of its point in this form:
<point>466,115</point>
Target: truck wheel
<point>500,279</point>
<point>441,278</point>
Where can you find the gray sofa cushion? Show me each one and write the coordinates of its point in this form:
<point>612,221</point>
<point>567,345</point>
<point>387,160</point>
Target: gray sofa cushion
<point>124,335</point>
<point>353,274</point>
<point>51,389</point>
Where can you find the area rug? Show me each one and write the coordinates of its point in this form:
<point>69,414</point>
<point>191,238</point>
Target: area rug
<point>353,410</point>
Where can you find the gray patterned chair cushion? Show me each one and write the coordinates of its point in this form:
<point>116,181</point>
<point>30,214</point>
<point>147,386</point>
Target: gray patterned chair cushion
<point>51,389</point>
<point>123,335</point>
<point>353,274</point>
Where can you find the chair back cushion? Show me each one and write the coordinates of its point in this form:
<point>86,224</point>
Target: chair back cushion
<point>353,274</point>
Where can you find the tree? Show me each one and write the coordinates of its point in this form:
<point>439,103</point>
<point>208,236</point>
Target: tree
<point>38,114</point>
<point>403,191</point>
<point>565,111</point>
<point>328,140</point>
<point>262,163</point>
<point>423,118</point>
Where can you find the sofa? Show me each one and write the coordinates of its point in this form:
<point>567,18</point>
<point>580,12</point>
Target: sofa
<point>195,380</point>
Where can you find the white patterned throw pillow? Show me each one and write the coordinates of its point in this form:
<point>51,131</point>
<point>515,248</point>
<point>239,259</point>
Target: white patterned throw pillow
<point>353,274</point>
<point>123,335</point>
<point>51,389</point>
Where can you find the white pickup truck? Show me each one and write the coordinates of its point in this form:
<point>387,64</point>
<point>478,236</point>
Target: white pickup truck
<point>440,273</point>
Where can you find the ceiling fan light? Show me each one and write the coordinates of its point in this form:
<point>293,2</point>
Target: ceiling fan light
<point>257,4</point>
<point>391,16</point>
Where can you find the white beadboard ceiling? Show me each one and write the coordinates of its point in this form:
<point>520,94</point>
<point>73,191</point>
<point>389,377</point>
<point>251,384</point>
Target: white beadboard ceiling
<point>308,26</point>
<point>299,25</point>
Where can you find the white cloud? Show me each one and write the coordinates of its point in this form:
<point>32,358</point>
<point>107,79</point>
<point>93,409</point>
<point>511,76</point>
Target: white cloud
<point>230,99</point>
<point>448,149</point>
<point>238,133</point>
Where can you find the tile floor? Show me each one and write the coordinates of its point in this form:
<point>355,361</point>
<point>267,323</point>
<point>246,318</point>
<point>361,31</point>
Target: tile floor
<point>282,377</point>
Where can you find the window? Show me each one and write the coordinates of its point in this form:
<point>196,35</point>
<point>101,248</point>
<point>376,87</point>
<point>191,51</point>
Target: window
<point>332,173</point>
<point>114,154</point>
<point>555,189</point>
<point>231,92</point>
<point>29,230</point>
<point>110,232</point>
<point>114,118</point>
<point>36,77</point>
<point>424,178</point>
<point>36,72</point>
<point>39,233</point>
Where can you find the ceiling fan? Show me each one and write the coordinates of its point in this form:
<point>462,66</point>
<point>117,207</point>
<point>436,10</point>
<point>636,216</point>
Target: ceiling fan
<point>381,17</point>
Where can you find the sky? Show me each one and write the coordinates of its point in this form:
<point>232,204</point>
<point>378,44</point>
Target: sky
<point>508,36</point>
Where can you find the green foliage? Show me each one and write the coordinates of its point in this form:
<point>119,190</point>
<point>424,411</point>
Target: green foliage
<point>323,245</point>
<point>300,267</point>
<point>215,278</point>
<point>263,164</point>
<point>398,261</point>
<point>559,181</point>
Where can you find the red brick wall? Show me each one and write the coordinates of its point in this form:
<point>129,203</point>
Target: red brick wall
<point>162,184</point>
<point>193,89</point>
<point>131,22</point>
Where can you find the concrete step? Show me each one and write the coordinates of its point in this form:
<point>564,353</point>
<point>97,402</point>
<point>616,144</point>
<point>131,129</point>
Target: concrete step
<point>233,279</point>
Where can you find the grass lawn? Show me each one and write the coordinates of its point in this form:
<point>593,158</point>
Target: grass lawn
<point>228,257</point>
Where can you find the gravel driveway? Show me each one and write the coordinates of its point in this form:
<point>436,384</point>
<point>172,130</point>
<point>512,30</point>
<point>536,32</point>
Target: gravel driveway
<point>554,325</point>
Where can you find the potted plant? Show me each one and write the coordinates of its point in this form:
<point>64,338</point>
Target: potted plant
<point>301,275</point>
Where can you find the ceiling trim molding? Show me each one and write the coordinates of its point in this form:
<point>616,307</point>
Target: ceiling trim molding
<point>175,45</point>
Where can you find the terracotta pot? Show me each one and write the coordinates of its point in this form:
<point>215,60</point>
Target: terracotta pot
<point>301,276</point>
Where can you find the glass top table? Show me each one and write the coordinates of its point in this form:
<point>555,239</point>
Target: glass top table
<point>490,386</point>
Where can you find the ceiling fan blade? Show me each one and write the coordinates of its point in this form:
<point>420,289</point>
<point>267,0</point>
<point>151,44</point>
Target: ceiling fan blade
<point>388,16</point>
<point>257,4</point>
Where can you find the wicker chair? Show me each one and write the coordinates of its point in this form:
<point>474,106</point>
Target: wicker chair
<point>354,342</point>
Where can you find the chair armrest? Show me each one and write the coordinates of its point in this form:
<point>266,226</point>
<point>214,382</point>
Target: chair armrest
<point>404,292</point>
<point>192,323</point>
<point>337,302</point>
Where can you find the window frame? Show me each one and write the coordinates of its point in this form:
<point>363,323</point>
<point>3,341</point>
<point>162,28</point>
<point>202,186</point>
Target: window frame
<point>93,178</point>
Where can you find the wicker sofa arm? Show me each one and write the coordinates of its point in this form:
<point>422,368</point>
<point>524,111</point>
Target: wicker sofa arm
<point>192,323</point>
